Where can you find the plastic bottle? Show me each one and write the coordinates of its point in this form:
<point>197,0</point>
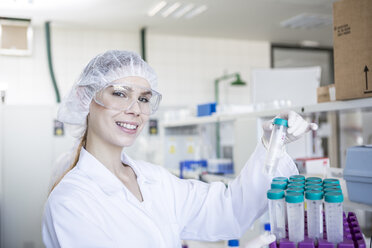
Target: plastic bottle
<point>267,233</point>
<point>295,213</point>
<point>233,243</point>
<point>334,216</point>
<point>275,145</point>
<point>277,212</point>
<point>314,213</point>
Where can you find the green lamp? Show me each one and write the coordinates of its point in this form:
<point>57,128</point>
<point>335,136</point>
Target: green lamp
<point>236,82</point>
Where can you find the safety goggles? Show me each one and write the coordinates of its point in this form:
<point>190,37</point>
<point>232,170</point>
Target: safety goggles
<point>123,96</point>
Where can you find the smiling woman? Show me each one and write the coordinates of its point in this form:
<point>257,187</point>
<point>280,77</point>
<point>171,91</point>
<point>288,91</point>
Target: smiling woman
<point>106,199</point>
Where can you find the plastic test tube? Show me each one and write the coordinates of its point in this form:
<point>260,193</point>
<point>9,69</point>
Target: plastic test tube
<point>277,212</point>
<point>314,213</point>
<point>335,189</point>
<point>297,185</point>
<point>331,185</point>
<point>327,180</point>
<point>314,179</point>
<point>313,187</point>
<point>301,177</point>
<point>275,145</point>
<point>295,213</point>
<point>334,216</point>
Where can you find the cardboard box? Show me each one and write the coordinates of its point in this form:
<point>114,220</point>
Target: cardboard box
<point>352,40</point>
<point>326,93</point>
<point>312,166</point>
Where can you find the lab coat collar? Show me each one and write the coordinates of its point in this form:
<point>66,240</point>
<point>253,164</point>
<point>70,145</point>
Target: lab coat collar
<point>102,176</point>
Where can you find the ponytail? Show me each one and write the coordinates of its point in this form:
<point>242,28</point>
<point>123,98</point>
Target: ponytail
<point>76,159</point>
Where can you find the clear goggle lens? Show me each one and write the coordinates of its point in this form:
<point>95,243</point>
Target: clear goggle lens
<point>123,96</point>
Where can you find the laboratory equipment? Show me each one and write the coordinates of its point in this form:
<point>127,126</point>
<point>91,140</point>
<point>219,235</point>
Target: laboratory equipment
<point>299,190</point>
<point>331,185</point>
<point>277,212</point>
<point>283,179</point>
<point>276,144</point>
<point>358,173</point>
<point>295,215</point>
<point>334,189</point>
<point>296,185</point>
<point>314,183</point>
<point>233,243</point>
<point>314,213</point>
<point>296,181</point>
<point>279,185</point>
<point>334,216</point>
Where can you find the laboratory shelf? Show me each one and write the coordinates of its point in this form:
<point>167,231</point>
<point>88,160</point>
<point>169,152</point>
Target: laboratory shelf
<point>365,103</point>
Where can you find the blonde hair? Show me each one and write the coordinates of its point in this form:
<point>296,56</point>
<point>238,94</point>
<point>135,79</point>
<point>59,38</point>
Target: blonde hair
<point>82,143</point>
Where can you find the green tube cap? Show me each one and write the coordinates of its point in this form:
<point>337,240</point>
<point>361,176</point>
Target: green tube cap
<point>314,179</point>
<point>333,197</point>
<point>283,179</point>
<point>279,185</point>
<point>314,195</point>
<point>282,122</point>
<point>294,180</point>
<point>331,185</point>
<point>294,197</point>
<point>275,194</point>
<point>314,183</point>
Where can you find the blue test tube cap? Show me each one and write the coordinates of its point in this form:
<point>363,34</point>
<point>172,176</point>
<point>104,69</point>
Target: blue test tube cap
<point>333,197</point>
<point>314,183</point>
<point>275,194</point>
<point>281,179</point>
<point>294,180</point>
<point>294,197</point>
<point>297,190</point>
<point>278,185</point>
<point>314,195</point>
<point>233,243</point>
<point>267,227</point>
<point>281,122</point>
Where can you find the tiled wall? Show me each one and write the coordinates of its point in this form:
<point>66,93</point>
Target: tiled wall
<point>186,66</point>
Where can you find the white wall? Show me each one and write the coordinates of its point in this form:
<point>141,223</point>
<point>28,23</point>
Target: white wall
<point>187,67</point>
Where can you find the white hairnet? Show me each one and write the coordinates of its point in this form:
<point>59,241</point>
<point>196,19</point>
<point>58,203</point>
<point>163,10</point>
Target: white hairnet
<point>100,71</point>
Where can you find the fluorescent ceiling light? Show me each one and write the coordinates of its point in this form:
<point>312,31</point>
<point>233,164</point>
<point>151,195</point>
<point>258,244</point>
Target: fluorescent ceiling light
<point>156,8</point>
<point>183,10</point>
<point>171,9</point>
<point>196,11</point>
<point>305,20</point>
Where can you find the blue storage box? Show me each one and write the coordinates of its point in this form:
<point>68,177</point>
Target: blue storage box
<point>198,166</point>
<point>358,174</point>
<point>206,109</point>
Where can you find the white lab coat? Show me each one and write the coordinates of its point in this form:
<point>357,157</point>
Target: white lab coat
<point>91,208</point>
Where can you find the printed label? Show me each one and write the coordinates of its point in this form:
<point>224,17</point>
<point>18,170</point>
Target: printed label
<point>342,30</point>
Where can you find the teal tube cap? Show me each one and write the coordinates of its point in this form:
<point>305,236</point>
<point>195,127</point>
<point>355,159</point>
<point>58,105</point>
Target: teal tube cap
<point>283,179</point>
<point>294,197</point>
<point>275,194</point>
<point>314,195</point>
<point>331,185</point>
<point>298,185</point>
<point>297,177</point>
<point>314,179</point>
<point>314,183</point>
<point>313,187</point>
<point>279,185</point>
<point>332,190</point>
<point>333,197</point>
<point>331,180</point>
<point>282,122</point>
<point>298,190</point>
<point>294,180</point>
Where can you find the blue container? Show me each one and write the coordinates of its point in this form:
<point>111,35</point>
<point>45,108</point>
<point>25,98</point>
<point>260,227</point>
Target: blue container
<point>206,109</point>
<point>358,173</point>
<point>192,166</point>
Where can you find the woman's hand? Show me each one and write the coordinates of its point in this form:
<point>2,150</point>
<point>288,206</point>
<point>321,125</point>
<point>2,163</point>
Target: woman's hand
<point>297,127</point>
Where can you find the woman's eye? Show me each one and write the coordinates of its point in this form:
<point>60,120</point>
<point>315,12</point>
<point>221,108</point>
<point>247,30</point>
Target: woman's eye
<point>143,99</point>
<point>119,93</point>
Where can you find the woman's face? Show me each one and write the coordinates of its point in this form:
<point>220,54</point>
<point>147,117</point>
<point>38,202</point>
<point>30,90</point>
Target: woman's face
<point>118,127</point>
